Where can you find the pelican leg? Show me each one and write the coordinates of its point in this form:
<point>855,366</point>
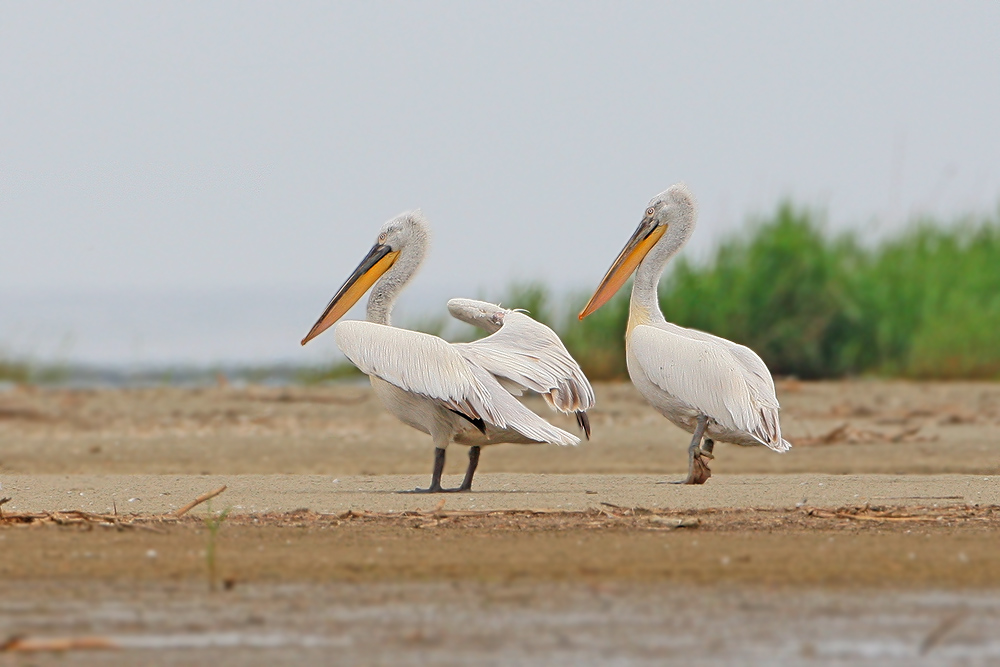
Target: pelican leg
<point>707,447</point>
<point>435,486</point>
<point>471,470</point>
<point>698,472</point>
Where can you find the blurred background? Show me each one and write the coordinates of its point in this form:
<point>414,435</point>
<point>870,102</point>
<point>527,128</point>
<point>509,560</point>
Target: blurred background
<point>184,186</point>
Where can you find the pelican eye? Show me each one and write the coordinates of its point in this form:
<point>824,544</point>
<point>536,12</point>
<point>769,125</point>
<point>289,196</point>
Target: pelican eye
<point>382,237</point>
<point>650,210</point>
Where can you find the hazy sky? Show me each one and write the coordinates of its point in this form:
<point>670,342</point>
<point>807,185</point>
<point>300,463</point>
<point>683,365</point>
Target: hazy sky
<point>206,146</point>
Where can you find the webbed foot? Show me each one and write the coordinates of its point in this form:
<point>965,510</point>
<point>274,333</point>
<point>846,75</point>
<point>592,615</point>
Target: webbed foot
<point>430,490</point>
<point>698,474</point>
<point>440,489</point>
<point>698,471</point>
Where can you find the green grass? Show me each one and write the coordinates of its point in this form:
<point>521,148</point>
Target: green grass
<point>14,370</point>
<point>213,522</point>
<point>332,372</point>
<point>922,304</point>
<point>23,371</point>
<point>940,289</point>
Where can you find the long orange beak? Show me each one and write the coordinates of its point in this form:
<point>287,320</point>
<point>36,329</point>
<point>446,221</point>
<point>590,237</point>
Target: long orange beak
<point>642,242</point>
<point>376,262</point>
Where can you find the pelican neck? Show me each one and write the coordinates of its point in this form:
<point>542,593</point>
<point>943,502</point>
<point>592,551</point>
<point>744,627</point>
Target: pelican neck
<point>644,307</point>
<point>387,289</point>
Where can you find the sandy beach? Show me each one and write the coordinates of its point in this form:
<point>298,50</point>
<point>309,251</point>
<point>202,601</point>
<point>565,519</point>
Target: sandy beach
<point>872,542</point>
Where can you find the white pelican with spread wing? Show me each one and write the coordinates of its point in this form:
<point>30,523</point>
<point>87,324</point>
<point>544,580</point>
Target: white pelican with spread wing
<point>455,392</point>
<point>708,386</point>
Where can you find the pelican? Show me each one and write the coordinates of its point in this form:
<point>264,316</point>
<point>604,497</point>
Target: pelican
<point>710,387</point>
<point>454,392</point>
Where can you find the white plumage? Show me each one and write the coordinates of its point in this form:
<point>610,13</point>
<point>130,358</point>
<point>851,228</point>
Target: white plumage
<point>525,352</point>
<point>712,387</point>
<point>710,380</point>
<point>447,374</point>
<point>461,392</point>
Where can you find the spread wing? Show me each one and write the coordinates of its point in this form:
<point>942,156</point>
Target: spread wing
<point>429,366</point>
<point>525,352</point>
<point>709,377</point>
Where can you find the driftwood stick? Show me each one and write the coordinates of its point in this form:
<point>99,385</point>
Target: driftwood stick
<point>822,514</point>
<point>20,644</point>
<point>199,500</point>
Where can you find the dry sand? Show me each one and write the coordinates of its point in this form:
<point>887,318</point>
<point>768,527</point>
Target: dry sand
<point>874,541</point>
<point>158,494</point>
<point>838,428</point>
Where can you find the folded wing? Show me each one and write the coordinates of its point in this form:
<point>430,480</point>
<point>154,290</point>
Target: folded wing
<point>712,379</point>
<point>758,378</point>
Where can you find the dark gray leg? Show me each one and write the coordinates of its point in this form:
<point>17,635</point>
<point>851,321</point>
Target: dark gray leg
<point>435,486</point>
<point>707,447</point>
<point>698,472</point>
<point>471,470</point>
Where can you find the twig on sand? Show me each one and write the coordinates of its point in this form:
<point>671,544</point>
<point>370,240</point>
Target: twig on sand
<point>626,511</point>
<point>82,518</point>
<point>3,501</point>
<point>22,644</point>
<point>935,636</point>
<point>840,514</point>
<point>199,500</point>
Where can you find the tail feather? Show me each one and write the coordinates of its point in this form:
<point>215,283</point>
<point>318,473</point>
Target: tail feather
<point>583,421</point>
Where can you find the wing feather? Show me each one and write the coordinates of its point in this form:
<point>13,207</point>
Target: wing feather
<point>418,363</point>
<point>530,354</point>
<point>758,377</point>
<point>712,379</point>
<point>520,418</point>
<point>429,366</point>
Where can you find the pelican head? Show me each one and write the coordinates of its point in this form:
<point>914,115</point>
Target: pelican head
<point>673,210</point>
<point>405,236</point>
<point>486,316</point>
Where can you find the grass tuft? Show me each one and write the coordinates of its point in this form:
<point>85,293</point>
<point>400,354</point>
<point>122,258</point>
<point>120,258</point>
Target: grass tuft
<point>213,522</point>
<point>923,304</point>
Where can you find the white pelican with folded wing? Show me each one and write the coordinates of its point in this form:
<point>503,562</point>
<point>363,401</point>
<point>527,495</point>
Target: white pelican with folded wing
<point>709,386</point>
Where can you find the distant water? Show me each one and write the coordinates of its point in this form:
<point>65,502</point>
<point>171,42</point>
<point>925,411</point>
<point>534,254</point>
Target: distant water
<point>142,329</point>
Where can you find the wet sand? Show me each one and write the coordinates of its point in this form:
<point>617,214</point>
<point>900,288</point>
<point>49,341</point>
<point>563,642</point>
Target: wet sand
<point>794,586</point>
<point>486,624</point>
